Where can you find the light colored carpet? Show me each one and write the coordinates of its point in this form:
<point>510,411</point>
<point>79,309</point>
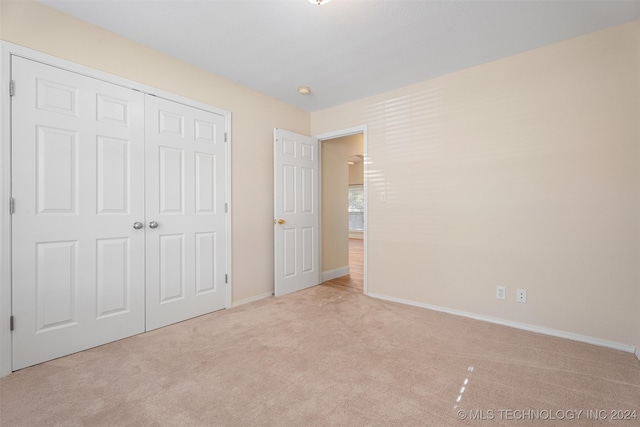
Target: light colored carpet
<point>326,357</point>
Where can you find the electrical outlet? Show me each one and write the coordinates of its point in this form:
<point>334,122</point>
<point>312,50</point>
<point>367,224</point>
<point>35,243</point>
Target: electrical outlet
<point>521,295</point>
<point>501,292</point>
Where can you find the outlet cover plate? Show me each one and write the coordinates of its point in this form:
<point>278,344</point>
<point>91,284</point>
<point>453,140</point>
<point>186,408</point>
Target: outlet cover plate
<point>521,295</point>
<point>501,292</point>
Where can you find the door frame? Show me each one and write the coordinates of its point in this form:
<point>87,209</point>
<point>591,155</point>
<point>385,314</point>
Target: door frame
<point>362,129</point>
<point>6,51</point>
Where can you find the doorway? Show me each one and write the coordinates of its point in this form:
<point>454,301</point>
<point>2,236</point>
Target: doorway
<point>343,209</point>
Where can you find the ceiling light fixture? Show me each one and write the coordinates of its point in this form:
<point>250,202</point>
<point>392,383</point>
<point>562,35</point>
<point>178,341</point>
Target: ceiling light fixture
<point>303,90</point>
<point>319,2</point>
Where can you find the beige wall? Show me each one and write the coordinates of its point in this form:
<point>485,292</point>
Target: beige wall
<point>254,116</point>
<point>335,184</point>
<point>356,173</point>
<point>524,173</point>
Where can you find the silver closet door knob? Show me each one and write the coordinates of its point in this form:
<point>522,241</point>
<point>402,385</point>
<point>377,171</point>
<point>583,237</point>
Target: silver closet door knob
<point>153,224</point>
<point>138,225</point>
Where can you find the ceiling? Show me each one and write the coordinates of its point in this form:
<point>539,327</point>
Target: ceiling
<point>346,49</point>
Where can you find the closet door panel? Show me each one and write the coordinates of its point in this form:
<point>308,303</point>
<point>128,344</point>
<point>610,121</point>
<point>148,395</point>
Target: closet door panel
<point>78,184</point>
<point>185,187</point>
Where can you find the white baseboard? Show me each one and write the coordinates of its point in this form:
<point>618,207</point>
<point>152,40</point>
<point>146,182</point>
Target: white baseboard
<point>332,274</point>
<point>638,353</point>
<point>524,326</point>
<point>252,299</point>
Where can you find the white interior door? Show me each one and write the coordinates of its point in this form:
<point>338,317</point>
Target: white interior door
<point>186,219</point>
<point>77,181</point>
<point>296,204</point>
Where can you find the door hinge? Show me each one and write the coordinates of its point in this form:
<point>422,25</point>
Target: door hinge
<point>226,278</point>
<point>11,323</point>
<point>12,88</point>
<point>226,208</point>
<point>12,205</point>
<point>225,137</point>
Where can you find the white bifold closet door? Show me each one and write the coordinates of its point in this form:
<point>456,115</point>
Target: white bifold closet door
<point>185,199</point>
<point>93,164</point>
<point>78,186</point>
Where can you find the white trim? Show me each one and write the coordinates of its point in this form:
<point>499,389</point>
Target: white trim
<point>5,219</point>
<point>336,272</point>
<point>252,299</point>
<point>7,50</point>
<point>342,132</point>
<point>229,248</point>
<point>524,326</point>
<point>319,244</point>
<point>365,145</point>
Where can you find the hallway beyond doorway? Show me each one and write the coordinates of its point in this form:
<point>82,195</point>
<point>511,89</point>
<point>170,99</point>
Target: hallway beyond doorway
<point>353,282</point>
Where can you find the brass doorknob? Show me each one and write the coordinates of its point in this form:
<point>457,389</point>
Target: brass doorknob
<point>281,221</point>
